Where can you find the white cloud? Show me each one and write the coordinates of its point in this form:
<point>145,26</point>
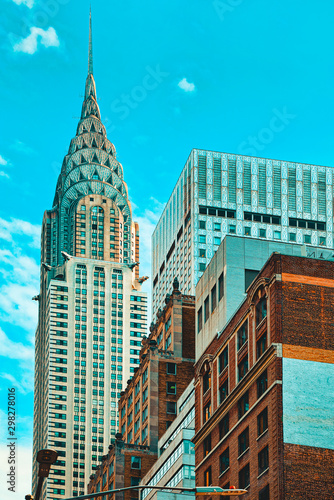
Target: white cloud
<point>29,45</point>
<point>3,174</point>
<point>186,86</point>
<point>3,161</point>
<point>28,3</point>
<point>14,227</point>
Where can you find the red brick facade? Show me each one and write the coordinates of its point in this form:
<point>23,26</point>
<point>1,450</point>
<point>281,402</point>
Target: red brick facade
<point>288,310</point>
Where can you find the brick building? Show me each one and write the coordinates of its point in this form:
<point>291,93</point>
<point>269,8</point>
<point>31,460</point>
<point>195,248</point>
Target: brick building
<point>264,387</point>
<point>148,405</point>
<point>124,466</point>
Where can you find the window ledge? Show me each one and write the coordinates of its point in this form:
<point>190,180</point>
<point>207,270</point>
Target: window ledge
<point>261,435</point>
<point>262,473</point>
<point>243,453</point>
<point>223,473</point>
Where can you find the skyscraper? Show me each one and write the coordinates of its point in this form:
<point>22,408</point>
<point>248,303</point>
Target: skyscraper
<point>218,194</point>
<point>92,311</point>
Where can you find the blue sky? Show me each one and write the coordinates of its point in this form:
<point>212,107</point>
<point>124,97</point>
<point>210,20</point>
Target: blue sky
<point>247,76</point>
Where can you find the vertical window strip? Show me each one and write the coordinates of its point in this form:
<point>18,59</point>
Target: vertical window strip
<point>247,183</point>
<point>322,193</point>
<point>307,191</point>
<point>292,188</point>
<point>202,176</point>
<point>262,185</point>
<point>277,187</point>
<point>217,179</point>
<point>232,178</point>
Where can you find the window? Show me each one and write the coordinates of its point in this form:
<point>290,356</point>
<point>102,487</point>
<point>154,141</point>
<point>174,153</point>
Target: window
<point>202,238</point>
<point>206,381</point>
<point>242,368</point>
<point>207,445</point>
<point>242,334</point>
<point>277,235</point>
<point>135,463</point>
<point>171,407</point>
<point>250,275</point>
<point>262,233</point>
<point>322,240</point>
<point>247,231</point>
<point>171,388</point>
<point>262,422</point>
<point>199,319</point>
<point>135,481</point>
<point>171,368</point>
<point>224,426</point>
<point>244,477</point>
<point>243,405</point>
<point>221,286</point>
<point>213,298</point>
<point>263,460</point>
<point>223,391</point>
<point>232,229</point>
<point>264,493</point>
<point>224,461</point>
<point>223,360</point>
<point>216,226</point>
<point>206,309</point>
<point>243,441</point>
<point>261,310</point>
<point>217,240</point>
<point>202,253</point>
<point>261,345</point>
<point>207,411</point>
<point>202,266</point>
<point>201,224</point>
<point>292,236</point>
<point>262,384</point>
<point>307,238</point>
<point>207,477</point>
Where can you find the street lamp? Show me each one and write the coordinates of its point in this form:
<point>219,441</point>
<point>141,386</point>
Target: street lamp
<point>45,458</point>
<point>198,490</point>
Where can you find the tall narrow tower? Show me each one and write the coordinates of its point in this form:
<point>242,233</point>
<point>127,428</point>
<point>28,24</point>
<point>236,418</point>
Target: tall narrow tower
<point>92,312</point>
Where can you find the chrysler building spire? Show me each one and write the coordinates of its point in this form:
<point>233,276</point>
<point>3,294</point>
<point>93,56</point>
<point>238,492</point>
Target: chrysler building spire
<point>90,49</point>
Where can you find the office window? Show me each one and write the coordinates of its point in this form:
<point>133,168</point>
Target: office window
<point>217,241</point>
<point>206,381</point>
<point>224,461</point>
<point>242,334</point>
<point>171,407</point>
<point>243,441</point>
<point>206,309</point>
<point>171,368</point>
<point>199,319</point>
<point>171,388</point>
<point>201,224</point>
<point>202,253</point>
<point>217,226</point>
<point>242,368</point>
<point>244,477</point>
<point>247,231</point>
<point>207,445</point>
<point>307,238</point>
<point>261,310</point>
<point>223,391</point>
<point>207,477</point>
<point>202,266</point>
<point>202,238</point>
<point>262,384</point>
<point>292,236</point>
<point>322,240</point>
<point>135,463</point>
<point>263,460</point>
<point>232,229</point>
<point>261,345</point>
<point>243,405</point>
<point>224,426</point>
<point>264,493</point>
<point>262,422</point>
<point>207,411</point>
<point>221,286</point>
<point>277,235</point>
<point>213,298</point>
<point>262,233</point>
<point>223,360</point>
<point>135,481</point>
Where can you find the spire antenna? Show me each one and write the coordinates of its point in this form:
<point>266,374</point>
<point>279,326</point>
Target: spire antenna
<point>90,49</point>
